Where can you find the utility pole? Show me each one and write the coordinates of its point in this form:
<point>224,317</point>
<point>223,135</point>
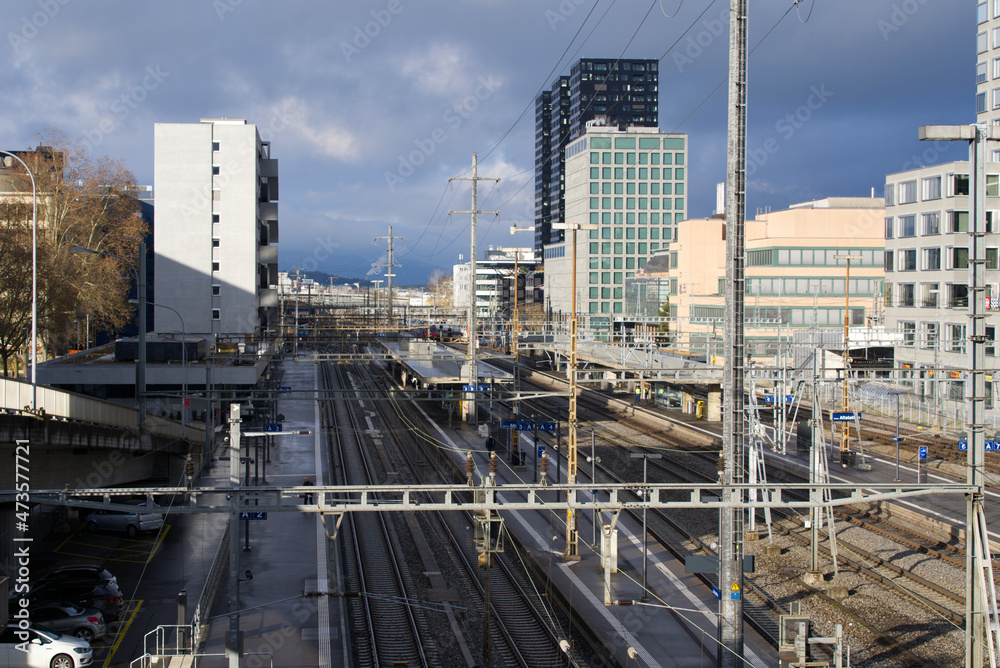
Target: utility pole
<point>730,653</point>
<point>389,267</point>
<point>471,320</point>
<point>298,285</point>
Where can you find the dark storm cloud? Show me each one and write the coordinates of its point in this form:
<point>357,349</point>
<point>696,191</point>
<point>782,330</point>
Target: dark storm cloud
<point>352,92</point>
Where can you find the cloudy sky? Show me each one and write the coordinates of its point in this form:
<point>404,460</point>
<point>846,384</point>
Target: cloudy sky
<point>371,105</point>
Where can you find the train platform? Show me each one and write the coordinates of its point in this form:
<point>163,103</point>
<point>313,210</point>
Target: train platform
<point>678,625</point>
<point>282,618</point>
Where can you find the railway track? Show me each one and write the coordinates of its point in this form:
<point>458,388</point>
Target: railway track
<point>686,463</point>
<point>396,619</point>
<point>385,629</point>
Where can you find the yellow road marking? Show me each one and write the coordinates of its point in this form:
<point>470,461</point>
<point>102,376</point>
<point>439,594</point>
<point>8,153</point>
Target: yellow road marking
<point>121,634</point>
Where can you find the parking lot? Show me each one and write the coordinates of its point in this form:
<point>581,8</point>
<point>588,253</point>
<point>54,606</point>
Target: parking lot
<point>111,547</point>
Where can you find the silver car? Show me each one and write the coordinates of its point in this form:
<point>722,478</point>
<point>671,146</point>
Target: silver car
<point>70,619</point>
<point>45,649</point>
<point>129,522</point>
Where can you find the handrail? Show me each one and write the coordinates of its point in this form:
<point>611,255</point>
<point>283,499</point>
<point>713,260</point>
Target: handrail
<point>15,396</point>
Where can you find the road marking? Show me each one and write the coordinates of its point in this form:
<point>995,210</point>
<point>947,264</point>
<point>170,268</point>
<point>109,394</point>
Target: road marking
<point>120,636</point>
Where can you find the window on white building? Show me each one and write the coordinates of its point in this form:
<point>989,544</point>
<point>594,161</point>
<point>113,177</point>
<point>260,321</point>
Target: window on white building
<point>931,223</point>
<point>889,194</point>
<point>931,259</point>
<point>888,227</point>
<point>981,72</point>
<point>907,226</point>
<point>982,43</point>
<point>996,98</point>
<point>907,192</point>
<point>980,106</point>
<point>908,260</point>
<point>909,333</point>
<point>931,187</point>
<point>981,15</point>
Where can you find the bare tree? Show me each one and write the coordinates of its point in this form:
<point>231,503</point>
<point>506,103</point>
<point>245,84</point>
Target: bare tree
<point>82,201</point>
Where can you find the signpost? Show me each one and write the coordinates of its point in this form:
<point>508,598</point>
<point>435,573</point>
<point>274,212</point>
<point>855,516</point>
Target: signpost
<point>253,515</point>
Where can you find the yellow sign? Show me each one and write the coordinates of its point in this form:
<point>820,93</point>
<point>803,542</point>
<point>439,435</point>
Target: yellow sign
<point>735,587</point>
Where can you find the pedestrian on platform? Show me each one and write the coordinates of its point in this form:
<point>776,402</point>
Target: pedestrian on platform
<point>638,393</point>
<point>308,497</point>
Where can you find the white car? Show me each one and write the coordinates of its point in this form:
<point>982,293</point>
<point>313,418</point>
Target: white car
<point>44,649</point>
<point>129,522</point>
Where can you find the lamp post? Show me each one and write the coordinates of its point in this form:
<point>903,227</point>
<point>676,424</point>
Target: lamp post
<point>572,552</point>
<point>845,438</point>
<point>645,493</point>
<point>183,364</point>
<point>515,326</point>
<point>140,280</point>
<point>34,273</point>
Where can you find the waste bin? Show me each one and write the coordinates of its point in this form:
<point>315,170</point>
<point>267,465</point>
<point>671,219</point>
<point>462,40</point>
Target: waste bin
<point>700,411</point>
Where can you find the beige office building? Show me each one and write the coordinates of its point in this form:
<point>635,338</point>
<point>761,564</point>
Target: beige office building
<point>794,279</point>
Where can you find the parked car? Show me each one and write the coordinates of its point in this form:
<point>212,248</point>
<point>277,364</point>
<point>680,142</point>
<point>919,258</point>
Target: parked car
<point>45,650</point>
<point>106,598</point>
<point>83,572</point>
<point>129,522</point>
<point>70,619</point>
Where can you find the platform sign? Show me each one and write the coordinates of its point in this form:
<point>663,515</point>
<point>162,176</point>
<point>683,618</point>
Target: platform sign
<point>546,426</point>
<point>272,426</point>
<point>284,388</point>
<point>845,417</point>
<point>769,398</point>
<point>475,388</point>
<point>254,515</point>
<point>922,450</point>
<point>520,425</point>
<point>541,451</point>
<point>716,592</point>
<point>988,446</point>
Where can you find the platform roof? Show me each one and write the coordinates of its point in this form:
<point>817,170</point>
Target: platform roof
<point>436,364</point>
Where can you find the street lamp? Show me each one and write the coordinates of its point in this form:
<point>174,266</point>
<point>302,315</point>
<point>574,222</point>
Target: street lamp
<point>645,492</point>
<point>845,438</point>
<point>183,362</point>
<point>572,553</point>
<point>8,161</point>
<point>140,279</point>
<point>516,324</point>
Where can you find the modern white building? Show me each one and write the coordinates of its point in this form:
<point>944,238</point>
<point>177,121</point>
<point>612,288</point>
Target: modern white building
<point>927,273</point>
<point>494,281</point>
<point>988,65</point>
<point>631,185</point>
<point>216,225</point>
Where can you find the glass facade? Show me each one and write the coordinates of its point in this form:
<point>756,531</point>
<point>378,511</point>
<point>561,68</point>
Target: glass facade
<point>636,209</point>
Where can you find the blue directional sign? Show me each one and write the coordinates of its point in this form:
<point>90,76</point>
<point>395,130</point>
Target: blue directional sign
<point>520,425</point>
<point>845,417</point>
<point>922,452</point>
<point>475,388</point>
<point>546,426</point>
<point>284,388</point>
<point>272,426</point>
<point>716,592</point>
<point>988,446</point>
<point>254,515</point>
<point>769,398</point>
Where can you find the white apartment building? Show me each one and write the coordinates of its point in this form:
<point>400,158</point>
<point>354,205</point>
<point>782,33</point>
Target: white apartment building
<point>494,281</point>
<point>927,272</point>
<point>631,186</point>
<point>988,65</point>
<point>216,221</point>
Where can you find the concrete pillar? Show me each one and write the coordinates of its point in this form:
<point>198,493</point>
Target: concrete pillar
<point>714,406</point>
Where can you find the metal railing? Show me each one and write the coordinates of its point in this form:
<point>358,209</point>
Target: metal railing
<point>16,395</point>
